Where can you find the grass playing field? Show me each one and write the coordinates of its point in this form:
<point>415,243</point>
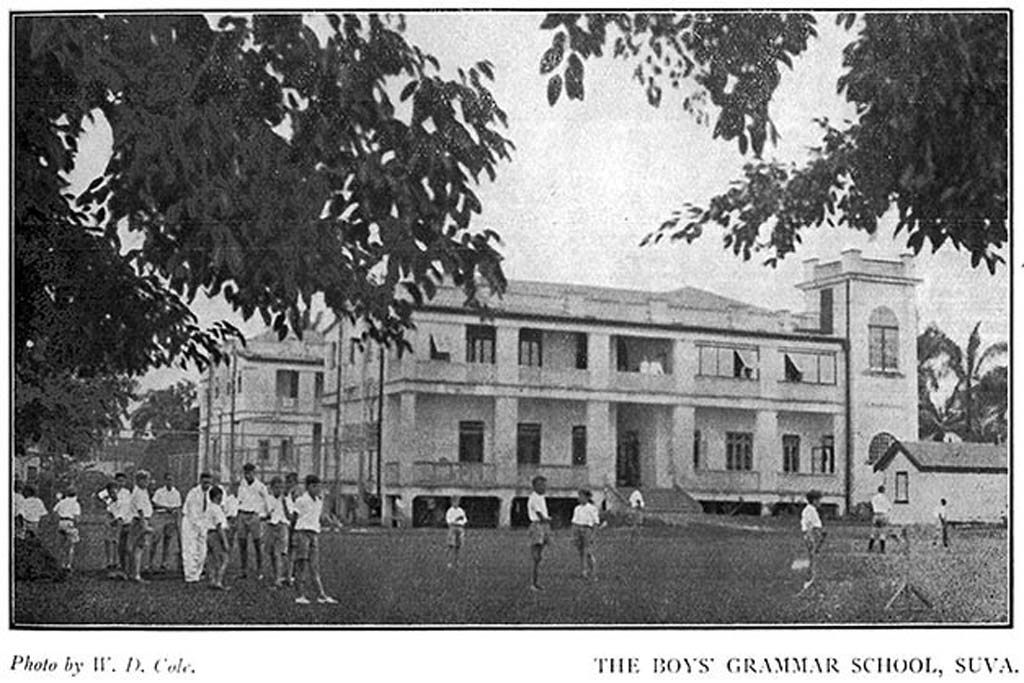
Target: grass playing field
<point>725,571</point>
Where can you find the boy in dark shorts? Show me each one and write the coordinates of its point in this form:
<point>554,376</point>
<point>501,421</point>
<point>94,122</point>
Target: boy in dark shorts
<point>216,540</point>
<point>585,518</point>
<point>456,519</point>
<point>278,528</point>
<point>308,511</point>
<point>540,527</point>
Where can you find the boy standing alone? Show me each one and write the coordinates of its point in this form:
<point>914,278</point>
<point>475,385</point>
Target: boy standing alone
<point>813,533</point>
<point>308,510</point>
<point>880,509</point>
<point>585,518</point>
<point>455,517</point>
<point>540,527</point>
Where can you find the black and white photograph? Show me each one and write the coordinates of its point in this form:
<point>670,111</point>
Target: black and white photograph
<point>477,319</point>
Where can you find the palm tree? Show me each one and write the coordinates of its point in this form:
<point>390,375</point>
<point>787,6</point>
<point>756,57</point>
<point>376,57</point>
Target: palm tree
<point>975,406</point>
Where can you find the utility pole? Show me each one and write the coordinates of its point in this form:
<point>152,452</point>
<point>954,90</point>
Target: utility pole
<point>380,427</point>
<point>337,405</point>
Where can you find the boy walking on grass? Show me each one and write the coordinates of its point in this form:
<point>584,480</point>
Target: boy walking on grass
<point>585,518</point>
<point>308,511</point>
<point>540,527</point>
<point>140,512</point>
<point>278,531</point>
<point>68,511</point>
<point>814,534</point>
<point>456,520</point>
<point>216,539</point>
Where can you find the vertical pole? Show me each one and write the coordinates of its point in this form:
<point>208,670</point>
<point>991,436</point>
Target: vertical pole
<point>234,385</point>
<point>380,426</point>
<point>337,405</point>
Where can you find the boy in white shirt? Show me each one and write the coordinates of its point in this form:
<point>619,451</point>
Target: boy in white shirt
<point>307,511</point>
<point>166,516</point>
<point>278,525</point>
<point>230,507</point>
<point>68,511</point>
<point>540,527</point>
<point>108,496</point>
<point>252,511</point>
<point>880,509</point>
<point>32,510</point>
<point>140,512</point>
<point>636,514</point>
<point>585,518</point>
<point>194,528</point>
<point>456,519</point>
<point>814,534</point>
<point>216,539</point>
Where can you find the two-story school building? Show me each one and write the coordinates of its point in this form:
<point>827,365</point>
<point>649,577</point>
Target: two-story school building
<point>264,404</point>
<point>611,389</point>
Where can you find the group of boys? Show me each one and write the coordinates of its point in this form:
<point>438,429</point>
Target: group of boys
<point>29,511</point>
<point>284,519</point>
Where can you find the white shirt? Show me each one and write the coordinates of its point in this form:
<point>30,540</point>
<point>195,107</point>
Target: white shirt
<point>636,500</point>
<point>278,513</point>
<point>586,515</point>
<point>310,510</point>
<point>537,507</point>
<point>167,498</point>
<point>215,517</point>
<point>32,509</point>
<point>196,503</point>
<point>880,505</point>
<point>139,504</point>
<point>230,505</point>
<point>455,516</point>
<point>809,518</point>
<point>253,497</point>
<point>120,507</point>
<point>68,508</point>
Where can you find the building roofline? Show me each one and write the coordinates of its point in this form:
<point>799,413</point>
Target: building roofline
<point>897,447</point>
<point>668,327</point>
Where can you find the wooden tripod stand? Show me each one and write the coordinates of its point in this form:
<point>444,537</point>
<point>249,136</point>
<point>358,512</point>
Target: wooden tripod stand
<point>907,589</point>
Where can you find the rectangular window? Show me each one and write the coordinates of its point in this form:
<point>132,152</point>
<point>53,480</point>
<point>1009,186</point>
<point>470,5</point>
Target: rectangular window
<point>739,451</point>
<point>480,344</point>
<point>728,361</point>
<point>790,453</point>
<point>318,386</point>
<point>471,441</point>
<point>263,450</point>
<point>823,459</point>
<point>334,356</point>
<point>579,445</point>
<point>825,311</point>
<point>353,350</point>
<point>809,368</point>
<point>286,451</point>
<point>318,442</point>
<point>902,488</point>
<point>238,386</point>
<point>531,348</point>
<point>621,355</point>
<point>883,348</point>
<point>528,443</point>
<point>581,351</point>
<point>439,349</point>
<point>697,460</point>
<point>287,383</point>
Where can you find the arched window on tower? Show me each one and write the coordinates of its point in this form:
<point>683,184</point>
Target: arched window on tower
<point>880,443</point>
<point>883,340</point>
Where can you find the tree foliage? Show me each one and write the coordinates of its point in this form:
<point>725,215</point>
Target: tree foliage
<point>961,391</point>
<point>930,134</point>
<point>168,410</point>
<point>250,162</point>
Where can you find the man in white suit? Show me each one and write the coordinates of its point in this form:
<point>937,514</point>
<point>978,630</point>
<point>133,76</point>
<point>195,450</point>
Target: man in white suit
<point>194,527</point>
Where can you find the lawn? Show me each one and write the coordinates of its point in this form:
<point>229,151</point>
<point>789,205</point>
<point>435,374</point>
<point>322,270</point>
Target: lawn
<point>724,571</point>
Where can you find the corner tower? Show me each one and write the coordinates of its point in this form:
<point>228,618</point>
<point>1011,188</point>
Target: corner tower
<point>872,304</point>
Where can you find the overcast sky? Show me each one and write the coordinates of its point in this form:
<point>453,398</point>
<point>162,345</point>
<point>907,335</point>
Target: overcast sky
<point>589,179</point>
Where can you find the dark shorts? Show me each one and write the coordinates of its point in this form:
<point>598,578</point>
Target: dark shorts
<point>277,538</point>
<point>540,533</point>
<point>880,521</point>
<point>67,529</point>
<point>583,537</point>
<point>307,545</point>
<point>139,533</point>
<point>249,525</point>
<point>165,525</point>
<point>215,550</point>
<point>456,535</point>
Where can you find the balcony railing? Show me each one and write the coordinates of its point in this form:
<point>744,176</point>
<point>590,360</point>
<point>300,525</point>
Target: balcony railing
<point>639,381</point>
<point>725,480</point>
<point>802,482</point>
<point>568,378</point>
<point>558,476</point>
<point>429,473</point>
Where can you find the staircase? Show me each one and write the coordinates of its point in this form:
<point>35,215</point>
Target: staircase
<point>670,505</point>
